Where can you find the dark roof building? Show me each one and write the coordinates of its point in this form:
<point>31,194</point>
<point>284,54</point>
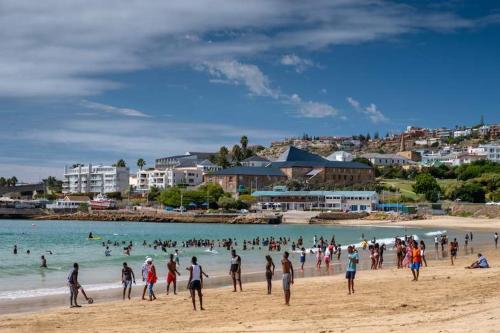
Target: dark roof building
<point>255,161</point>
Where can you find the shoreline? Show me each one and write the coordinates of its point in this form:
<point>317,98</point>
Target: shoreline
<point>381,304</point>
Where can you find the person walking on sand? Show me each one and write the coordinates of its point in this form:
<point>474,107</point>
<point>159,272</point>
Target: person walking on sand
<point>73,287</point>
<point>269,273</point>
<point>235,269</point>
<point>352,260</point>
<point>127,278</point>
<point>496,240</point>
<point>195,282</point>
<point>422,252</point>
<point>287,268</point>
<point>171,275</point>
<point>151,279</point>
<point>416,260</point>
<point>144,271</point>
<point>453,251</point>
<point>302,258</point>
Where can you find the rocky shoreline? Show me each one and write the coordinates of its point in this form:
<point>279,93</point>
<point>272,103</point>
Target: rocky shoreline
<point>162,217</point>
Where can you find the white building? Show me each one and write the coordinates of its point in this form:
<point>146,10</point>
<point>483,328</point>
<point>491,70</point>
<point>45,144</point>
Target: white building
<point>464,132</point>
<point>95,179</point>
<point>387,159</point>
<point>255,161</point>
<point>188,172</point>
<point>492,151</point>
<point>340,156</point>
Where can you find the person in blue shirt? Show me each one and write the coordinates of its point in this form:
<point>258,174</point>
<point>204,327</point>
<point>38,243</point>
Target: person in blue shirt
<point>352,260</point>
<point>480,263</point>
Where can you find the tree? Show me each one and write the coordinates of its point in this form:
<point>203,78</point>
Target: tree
<point>363,160</point>
<point>469,192</point>
<point>120,164</point>
<point>227,203</point>
<point>376,135</point>
<point>3,181</point>
<point>153,194</point>
<point>427,185</point>
<point>237,153</point>
<point>141,163</point>
<point>221,158</point>
<point>244,142</point>
<point>52,184</point>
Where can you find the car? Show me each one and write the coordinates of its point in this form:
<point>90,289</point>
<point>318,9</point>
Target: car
<point>244,211</point>
<point>180,209</point>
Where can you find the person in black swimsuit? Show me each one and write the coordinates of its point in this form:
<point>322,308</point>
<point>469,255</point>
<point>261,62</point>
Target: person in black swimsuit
<point>269,273</point>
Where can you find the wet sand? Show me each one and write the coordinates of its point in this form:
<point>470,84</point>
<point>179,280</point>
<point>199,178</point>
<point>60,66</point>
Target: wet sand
<point>445,222</point>
<point>446,299</point>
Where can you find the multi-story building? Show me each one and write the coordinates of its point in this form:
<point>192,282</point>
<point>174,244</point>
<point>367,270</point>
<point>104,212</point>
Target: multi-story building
<point>387,159</point>
<point>95,179</point>
<point>174,161</point>
<point>295,164</point>
<point>188,172</point>
<point>492,151</point>
<point>355,201</point>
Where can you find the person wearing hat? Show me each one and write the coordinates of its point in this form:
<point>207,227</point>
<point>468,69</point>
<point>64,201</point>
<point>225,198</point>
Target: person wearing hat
<point>145,277</point>
<point>151,278</point>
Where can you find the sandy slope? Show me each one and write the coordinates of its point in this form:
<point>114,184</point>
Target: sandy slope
<point>447,299</point>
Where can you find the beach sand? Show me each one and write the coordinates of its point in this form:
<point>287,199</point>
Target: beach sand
<point>446,299</point>
<point>446,222</point>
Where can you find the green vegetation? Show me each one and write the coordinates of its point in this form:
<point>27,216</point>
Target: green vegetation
<point>173,196</point>
<point>120,164</point>
<point>141,163</point>
<point>427,185</point>
<point>8,182</point>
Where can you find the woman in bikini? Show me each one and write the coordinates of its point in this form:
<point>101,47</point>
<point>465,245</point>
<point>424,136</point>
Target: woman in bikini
<point>269,273</point>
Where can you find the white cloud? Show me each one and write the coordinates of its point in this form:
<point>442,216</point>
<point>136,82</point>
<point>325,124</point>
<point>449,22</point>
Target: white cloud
<point>317,110</point>
<point>298,63</point>
<point>57,48</point>
<point>112,109</point>
<point>371,111</point>
<point>234,72</point>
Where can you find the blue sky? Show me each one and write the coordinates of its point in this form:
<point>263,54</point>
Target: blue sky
<point>95,81</point>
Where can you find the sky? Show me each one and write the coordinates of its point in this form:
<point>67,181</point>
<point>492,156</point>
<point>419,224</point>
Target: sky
<point>95,81</point>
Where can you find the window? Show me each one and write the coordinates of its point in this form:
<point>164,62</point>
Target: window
<point>362,207</point>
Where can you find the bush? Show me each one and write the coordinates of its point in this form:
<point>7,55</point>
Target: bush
<point>469,192</point>
<point>427,185</point>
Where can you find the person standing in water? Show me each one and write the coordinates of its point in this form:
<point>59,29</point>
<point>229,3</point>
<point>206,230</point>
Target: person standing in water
<point>127,278</point>
<point>235,269</point>
<point>43,262</point>
<point>302,258</point>
<point>496,240</point>
<point>287,268</point>
<point>269,273</point>
<point>171,275</point>
<point>73,287</point>
<point>195,282</point>
<point>14,250</point>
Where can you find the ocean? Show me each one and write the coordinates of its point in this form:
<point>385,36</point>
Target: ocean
<point>21,277</point>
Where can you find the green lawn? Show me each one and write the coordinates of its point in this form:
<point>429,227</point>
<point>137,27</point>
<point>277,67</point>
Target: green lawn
<point>405,186</point>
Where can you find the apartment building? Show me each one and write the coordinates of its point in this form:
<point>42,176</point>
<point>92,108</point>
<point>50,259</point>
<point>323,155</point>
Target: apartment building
<point>387,159</point>
<point>492,151</point>
<point>95,179</point>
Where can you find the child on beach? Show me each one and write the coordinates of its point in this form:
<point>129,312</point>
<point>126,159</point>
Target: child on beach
<point>319,259</point>
<point>416,260</point>
<point>352,260</point>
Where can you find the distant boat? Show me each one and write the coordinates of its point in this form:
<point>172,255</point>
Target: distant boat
<point>101,202</point>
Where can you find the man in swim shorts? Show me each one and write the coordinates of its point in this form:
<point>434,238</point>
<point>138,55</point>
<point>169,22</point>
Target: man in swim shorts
<point>171,275</point>
<point>416,260</point>
<point>127,278</point>
<point>195,282</point>
<point>73,287</point>
<point>235,269</point>
<point>287,269</point>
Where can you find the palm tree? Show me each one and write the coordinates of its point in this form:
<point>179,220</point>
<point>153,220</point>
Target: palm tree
<point>13,181</point>
<point>222,157</point>
<point>244,142</point>
<point>3,181</point>
<point>141,163</point>
<point>237,153</point>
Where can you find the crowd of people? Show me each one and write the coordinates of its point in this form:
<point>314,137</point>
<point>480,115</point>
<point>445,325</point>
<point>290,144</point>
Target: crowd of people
<point>409,253</point>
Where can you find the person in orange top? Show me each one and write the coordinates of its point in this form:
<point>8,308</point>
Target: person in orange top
<point>416,260</point>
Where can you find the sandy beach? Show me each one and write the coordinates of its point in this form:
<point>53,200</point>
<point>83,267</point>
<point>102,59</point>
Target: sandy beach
<point>451,222</point>
<point>446,299</point>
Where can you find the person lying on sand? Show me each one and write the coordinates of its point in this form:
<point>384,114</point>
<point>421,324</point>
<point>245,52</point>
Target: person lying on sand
<point>480,263</point>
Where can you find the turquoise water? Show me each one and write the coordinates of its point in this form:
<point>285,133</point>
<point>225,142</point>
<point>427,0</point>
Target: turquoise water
<point>20,275</point>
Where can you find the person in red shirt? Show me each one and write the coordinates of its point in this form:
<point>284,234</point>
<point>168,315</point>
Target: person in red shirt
<point>416,260</point>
